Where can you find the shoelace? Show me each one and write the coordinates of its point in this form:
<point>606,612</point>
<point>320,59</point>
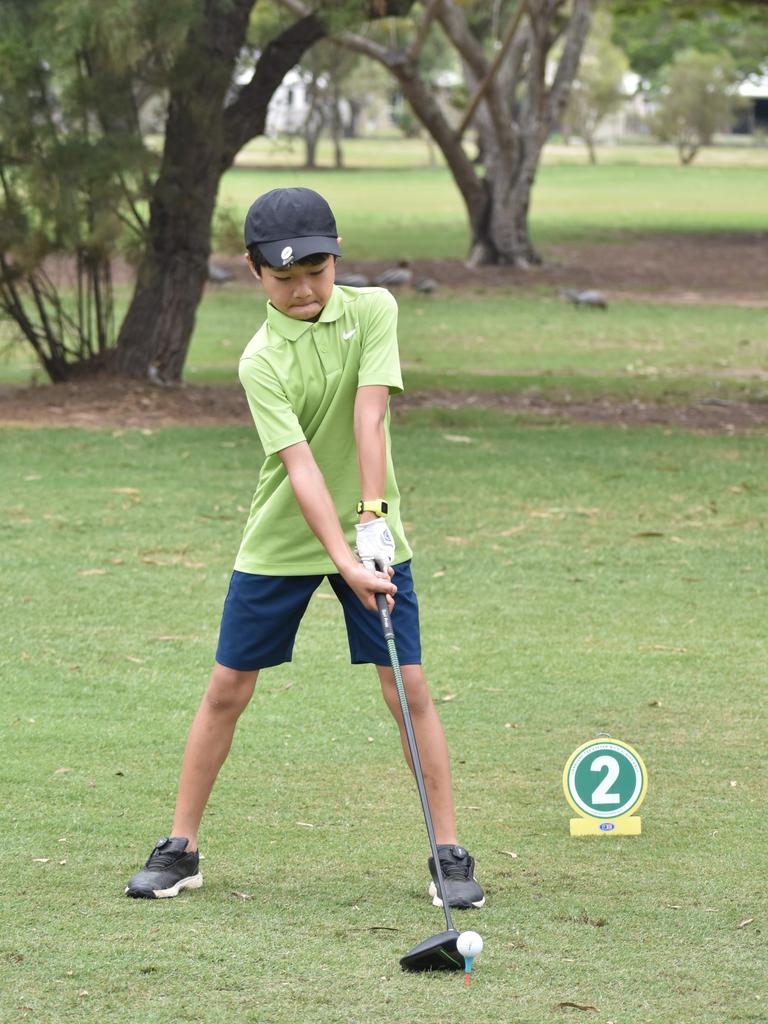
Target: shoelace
<point>456,868</point>
<point>163,858</point>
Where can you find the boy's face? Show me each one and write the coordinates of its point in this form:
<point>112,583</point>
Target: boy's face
<point>299,291</point>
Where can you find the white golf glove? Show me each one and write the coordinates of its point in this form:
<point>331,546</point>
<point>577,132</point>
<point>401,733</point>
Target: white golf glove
<point>375,543</point>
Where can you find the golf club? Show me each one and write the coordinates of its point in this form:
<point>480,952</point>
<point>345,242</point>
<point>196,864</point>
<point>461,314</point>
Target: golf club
<point>437,953</point>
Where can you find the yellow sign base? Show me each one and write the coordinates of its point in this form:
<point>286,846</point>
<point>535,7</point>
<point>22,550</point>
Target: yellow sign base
<point>626,825</point>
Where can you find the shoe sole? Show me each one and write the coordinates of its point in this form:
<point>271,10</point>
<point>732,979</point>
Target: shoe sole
<point>192,882</point>
<point>437,902</point>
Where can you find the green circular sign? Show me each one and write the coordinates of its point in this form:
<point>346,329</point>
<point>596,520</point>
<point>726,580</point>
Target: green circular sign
<point>604,778</point>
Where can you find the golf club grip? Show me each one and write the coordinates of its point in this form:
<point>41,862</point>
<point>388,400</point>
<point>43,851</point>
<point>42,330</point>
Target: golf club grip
<point>386,621</point>
<point>389,638</point>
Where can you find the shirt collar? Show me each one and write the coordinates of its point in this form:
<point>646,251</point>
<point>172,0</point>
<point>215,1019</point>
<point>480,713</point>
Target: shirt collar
<point>292,329</point>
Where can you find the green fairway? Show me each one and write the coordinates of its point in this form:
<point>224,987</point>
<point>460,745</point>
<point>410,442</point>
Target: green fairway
<point>573,581</point>
<point>417,212</point>
<point>500,340</point>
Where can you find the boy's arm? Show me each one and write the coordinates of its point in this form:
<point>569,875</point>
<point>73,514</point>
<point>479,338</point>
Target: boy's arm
<point>370,412</point>
<point>318,509</point>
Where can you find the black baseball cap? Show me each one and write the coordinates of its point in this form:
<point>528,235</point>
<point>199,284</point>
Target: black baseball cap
<point>288,224</point>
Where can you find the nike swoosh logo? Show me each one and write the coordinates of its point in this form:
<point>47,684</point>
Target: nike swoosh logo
<point>348,334</point>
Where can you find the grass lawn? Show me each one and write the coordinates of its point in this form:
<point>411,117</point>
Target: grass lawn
<point>573,581</point>
<point>500,340</point>
<point>396,208</point>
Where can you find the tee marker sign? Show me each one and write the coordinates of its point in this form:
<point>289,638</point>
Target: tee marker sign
<point>605,781</point>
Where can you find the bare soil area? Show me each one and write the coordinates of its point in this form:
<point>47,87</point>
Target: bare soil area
<point>723,268</point>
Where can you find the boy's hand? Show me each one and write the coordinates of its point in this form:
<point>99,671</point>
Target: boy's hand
<point>367,583</point>
<point>375,543</point>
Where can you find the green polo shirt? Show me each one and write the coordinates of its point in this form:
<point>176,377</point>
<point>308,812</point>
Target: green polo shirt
<point>301,379</point>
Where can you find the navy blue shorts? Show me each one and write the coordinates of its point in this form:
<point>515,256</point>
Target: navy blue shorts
<point>262,615</point>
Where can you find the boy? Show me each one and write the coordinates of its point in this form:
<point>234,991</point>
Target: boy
<point>317,375</point>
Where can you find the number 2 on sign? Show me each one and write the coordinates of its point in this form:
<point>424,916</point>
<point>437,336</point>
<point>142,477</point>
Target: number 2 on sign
<point>602,795</point>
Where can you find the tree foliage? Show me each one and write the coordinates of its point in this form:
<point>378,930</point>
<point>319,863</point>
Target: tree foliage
<point>77,78</point>
<point>598,87</point>
<point>72,169</point>
<point>652,32</point>
<point>695,97</point>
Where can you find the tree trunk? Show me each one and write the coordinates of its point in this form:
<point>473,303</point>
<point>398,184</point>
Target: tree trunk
<point>337,128</point>
<point>515,115</point>
<point>202,139</point>
<point>155,334</point>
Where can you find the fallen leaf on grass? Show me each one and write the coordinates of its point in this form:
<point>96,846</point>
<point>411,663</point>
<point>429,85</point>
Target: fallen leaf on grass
<point>171,636</point>
<point>125,490</point>
<point>648,533</point>
<point>457,438</point>
<point>512,530</point>
<point>745,922</point>
<point>436,575</point>
<point>305,824</point>
<point>456,540</point>
<point>447,697</point>
<point>138,661</point>
<point>41,860</point>
<point>242,895</point>
<point>511,853</point>
<point>91,572</point>
<point>576,1006</point>
<point>62,771</point>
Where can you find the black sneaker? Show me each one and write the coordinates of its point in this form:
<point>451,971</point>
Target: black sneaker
<point>461,887</point>
<point>168,870</point>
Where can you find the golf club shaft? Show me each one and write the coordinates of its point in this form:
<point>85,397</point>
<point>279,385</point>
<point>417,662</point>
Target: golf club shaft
<point>389,638</point>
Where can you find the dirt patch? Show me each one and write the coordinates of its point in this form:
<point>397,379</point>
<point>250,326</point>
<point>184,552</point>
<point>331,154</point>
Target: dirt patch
<point>121,405</point>
<point>730,269</point>
<point>725,268</point>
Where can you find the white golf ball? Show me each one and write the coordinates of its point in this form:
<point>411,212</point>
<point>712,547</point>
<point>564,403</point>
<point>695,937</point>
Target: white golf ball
<point>469,944</point>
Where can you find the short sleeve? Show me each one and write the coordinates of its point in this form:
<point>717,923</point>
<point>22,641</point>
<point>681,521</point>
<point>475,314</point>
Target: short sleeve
<point>276,423</point>
<point>379,355</point>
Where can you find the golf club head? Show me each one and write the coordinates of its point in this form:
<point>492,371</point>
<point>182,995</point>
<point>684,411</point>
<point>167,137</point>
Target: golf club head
<point>438,953</point>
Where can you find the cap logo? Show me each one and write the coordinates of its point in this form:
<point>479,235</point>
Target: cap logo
<point>286,255</point>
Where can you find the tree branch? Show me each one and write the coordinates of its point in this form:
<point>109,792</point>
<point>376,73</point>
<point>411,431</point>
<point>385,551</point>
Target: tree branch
<point>245,118</point>
<point>490,74</point>
<point>458,31</point>
<point>414,50</point>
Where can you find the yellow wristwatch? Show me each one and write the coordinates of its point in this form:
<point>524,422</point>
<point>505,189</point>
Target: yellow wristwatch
<point>379,507</point>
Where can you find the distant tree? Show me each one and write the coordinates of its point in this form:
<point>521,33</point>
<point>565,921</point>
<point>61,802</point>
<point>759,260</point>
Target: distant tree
<point>597,90</point>
<point>325,70</point>
<point>695,98</point>
<point>517,87</point>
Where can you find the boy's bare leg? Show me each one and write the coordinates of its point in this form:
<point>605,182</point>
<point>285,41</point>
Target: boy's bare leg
<point>208,743</point>
<point>430,738</point>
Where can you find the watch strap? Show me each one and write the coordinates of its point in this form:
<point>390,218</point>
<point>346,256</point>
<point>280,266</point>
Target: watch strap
<point>378,506</point>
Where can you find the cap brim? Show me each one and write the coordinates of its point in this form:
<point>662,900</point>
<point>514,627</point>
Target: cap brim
<point>277,253</point>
